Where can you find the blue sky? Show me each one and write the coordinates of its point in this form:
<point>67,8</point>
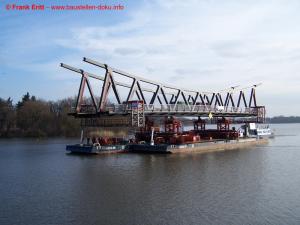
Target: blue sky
<point>207,45</point>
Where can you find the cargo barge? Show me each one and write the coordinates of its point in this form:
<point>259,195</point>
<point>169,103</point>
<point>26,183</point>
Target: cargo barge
<point>93,149</point>
<point>172,140</point>
<point>208,146</point>
<point>205,146</point>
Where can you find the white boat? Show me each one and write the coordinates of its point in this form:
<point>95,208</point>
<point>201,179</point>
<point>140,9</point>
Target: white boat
<point>259,130</point>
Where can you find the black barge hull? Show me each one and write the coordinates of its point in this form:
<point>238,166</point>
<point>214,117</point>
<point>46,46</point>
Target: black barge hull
<point>207,146</point>
<point>90,149</point>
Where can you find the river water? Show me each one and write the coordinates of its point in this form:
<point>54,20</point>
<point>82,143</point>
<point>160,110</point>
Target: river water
<point>41,184</point>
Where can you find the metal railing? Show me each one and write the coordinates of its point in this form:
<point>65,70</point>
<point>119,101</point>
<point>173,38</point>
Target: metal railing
<point>196,108</point>
<point>171,108</point>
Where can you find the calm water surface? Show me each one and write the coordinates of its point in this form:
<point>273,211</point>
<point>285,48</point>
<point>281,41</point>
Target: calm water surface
<point>40,184</point>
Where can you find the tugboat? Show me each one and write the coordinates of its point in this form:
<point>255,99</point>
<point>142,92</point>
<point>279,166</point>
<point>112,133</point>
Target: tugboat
<point>259,130</point>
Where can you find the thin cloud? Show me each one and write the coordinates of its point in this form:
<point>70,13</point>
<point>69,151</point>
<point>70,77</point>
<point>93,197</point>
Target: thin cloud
<point>127,51</point>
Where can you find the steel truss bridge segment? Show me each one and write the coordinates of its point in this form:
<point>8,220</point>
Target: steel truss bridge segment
<point>231,103</point>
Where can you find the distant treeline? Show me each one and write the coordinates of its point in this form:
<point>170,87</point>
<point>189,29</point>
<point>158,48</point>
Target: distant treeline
<point>284,119</point>
<point>32,117</point>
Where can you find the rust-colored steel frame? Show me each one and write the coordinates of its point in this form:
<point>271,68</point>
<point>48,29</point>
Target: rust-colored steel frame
<point>191,98</point>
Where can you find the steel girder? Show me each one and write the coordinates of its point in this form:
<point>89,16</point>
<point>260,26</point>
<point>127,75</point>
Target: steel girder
<point>160,91</point>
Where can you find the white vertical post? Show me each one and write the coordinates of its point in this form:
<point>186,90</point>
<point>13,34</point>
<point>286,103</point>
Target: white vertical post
<point>81,137</point>
<point>152,132</point>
